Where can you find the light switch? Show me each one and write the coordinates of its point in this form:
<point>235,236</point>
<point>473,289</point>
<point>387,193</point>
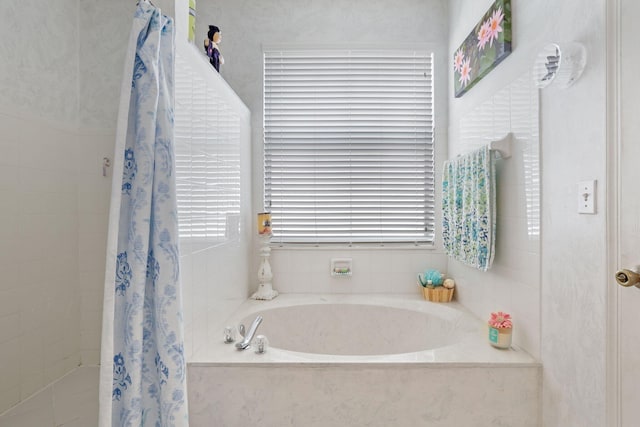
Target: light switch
<point>587,197</point>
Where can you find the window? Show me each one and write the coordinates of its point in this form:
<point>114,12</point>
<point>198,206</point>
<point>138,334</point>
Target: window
<point>349,150</point>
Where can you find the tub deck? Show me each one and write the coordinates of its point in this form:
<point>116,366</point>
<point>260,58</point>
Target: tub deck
<point>468,383</point>
<point>471,350</point>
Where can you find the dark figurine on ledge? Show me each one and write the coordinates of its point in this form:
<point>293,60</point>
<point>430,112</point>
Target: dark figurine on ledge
<point>211,47</point>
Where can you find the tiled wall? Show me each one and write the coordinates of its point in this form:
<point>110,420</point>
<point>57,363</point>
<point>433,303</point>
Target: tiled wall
<point>308,270</point>
<point>39,303</point>
<point>71,401</point>
<point>573,148</point>
<point>94,193</point>
<point>512,284</point>
<point>213,183</point>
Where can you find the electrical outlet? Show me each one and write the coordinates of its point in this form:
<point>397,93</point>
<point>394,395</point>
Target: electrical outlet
<point>587,197</point>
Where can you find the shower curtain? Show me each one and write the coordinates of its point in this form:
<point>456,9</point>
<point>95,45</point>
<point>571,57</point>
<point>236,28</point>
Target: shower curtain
<point>143,371</point>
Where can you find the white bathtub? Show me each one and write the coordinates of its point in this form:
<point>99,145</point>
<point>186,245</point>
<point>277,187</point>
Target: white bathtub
<point>340,328</point>
<point>349,360</point>
<point>349,329</point>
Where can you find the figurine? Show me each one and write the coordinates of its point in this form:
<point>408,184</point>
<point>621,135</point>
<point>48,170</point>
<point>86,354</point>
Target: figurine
<point>211,47</point>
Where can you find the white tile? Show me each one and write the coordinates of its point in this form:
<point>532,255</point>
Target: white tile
<point>284,282</point>
<point>8,399</point>
<point>279,261</point>
<point>9,327</point>
<point>36,411</point>
<point>10,149</point>
<point>76,395</point>
<point>54,369</point>
<point>89,357</point>
<point>10,364</point>
<point>301,261</point>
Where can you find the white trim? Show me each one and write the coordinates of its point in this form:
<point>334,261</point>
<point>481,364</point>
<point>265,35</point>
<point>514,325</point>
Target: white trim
<point>612,211</point>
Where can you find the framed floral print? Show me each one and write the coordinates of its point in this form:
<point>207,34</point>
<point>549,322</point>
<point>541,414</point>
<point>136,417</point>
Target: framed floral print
<point>485,47</point>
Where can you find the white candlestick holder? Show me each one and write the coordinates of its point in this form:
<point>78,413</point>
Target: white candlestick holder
<point>265,289</point>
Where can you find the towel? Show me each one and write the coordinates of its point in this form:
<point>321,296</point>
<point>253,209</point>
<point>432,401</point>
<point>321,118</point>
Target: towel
<point>469,208</point>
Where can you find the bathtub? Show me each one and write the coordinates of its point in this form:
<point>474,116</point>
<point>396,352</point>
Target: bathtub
<point>350,360</point>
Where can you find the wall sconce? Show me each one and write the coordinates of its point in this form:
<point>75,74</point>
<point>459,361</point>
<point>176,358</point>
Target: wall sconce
<point>559,65</point>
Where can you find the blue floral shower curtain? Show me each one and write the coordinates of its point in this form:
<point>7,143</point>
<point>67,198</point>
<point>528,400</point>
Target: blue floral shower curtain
<point>143,371</point>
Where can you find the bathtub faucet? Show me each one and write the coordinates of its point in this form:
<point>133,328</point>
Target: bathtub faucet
<point>249,336</point>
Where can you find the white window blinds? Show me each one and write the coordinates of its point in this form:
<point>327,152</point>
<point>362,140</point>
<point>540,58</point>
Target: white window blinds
<point>349,150</point>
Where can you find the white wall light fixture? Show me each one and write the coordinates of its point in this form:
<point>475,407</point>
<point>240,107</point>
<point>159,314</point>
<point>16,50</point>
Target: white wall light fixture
<point>559,65</point>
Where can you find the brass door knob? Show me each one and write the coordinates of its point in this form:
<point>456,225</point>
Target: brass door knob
<point>627,278</point>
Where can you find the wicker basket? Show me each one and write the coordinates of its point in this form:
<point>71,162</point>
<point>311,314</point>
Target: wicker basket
<point>439,294</point>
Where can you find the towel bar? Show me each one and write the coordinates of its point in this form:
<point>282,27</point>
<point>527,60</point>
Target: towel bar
<point>502,146</point>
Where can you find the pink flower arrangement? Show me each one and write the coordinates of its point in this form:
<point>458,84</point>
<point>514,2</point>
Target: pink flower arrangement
<point>500,320</point>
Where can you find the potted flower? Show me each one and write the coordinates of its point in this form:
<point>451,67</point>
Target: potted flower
<point>500,329</point>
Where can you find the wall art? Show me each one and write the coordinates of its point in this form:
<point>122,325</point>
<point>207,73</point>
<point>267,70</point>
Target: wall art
<point>484,48</point>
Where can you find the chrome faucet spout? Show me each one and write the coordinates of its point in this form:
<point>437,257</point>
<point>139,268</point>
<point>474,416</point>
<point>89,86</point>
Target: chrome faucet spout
<point>249,336</point>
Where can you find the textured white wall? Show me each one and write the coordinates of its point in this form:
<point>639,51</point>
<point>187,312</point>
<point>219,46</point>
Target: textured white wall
<point>249,25</point>
<point>104,33</point>
<point>104,28</point>
<point>573,250</point>
<point>39,66</point>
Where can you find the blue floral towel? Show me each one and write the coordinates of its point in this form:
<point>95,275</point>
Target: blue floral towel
<point>468,208</point>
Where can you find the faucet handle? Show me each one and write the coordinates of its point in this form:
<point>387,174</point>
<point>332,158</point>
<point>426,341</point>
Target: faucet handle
<point>261,344</point>
<point>229,335</point>
<point>241,330</point>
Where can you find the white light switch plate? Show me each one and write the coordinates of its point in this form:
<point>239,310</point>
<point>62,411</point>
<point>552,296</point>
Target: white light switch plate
<point>587,197</point>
